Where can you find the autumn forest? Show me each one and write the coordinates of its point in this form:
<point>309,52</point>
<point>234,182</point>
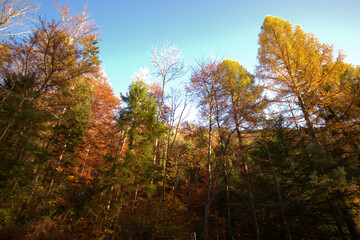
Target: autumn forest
<point>272,154</point>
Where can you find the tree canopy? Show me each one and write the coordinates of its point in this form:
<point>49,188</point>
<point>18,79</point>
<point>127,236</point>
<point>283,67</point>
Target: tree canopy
<point>271,155</point>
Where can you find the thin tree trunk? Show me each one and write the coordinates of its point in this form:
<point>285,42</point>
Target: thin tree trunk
<point>247,180</point>
<point>338,224</point>
<point>121,142</point>
<point>227,207</point>
<point>308,121</point>
<point>176,179</point>
<point>208,198</point>
<point>12,120</point>
<point>86,156</point>
<point>282,210</point>
<point>107,210</point>
<point>116,222</point>
<point>57,165</point>
<point>166,162</point>
<point>304,218</point>
<point>251,198</point>
<point>135,197</point>
<point>170,145</point>
<point>351,224</point>
<point>8,93</point>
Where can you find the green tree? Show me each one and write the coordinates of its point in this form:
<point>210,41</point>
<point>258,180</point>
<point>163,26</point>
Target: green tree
<point>45,103</point>
<point>139,119</point>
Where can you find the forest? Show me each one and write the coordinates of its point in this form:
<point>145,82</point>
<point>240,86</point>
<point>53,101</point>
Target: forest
<point>272,154</point>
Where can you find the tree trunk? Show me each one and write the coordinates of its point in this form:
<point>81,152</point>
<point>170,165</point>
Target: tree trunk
<point>135,198</point>
<point>308,120</point>
<point>247,179</point>
<point>84,164</point>
<point>351,224</point>
<point>13,119</point>
<point>282,210</point>
<point>208,198</point>
<point>227,207</point>
<point>338,225</point>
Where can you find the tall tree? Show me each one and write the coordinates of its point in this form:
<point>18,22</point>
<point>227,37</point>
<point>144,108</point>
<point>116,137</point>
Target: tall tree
<point>139,118</point>
<point>244,110</point>
<point>102,136</point>
<point>168,65</point>
<point>303,71</point>
<point>177,102</point>
<point>204,85</point>
<point>45,102</point>
<point>298,68</point>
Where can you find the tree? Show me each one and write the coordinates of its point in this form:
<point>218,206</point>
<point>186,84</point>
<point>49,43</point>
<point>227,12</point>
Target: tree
<point>168,65</point>
<point>340,117</point>
<point>303,71</point>
<point>45,103</point>
<point>16,16</point>
<point>244,108</point>
<point>140,116</point>
<point>102,136</point>
<point>142,129</point>
<point>176,102</point>
<point>204,85</point>
<point>298,68</point>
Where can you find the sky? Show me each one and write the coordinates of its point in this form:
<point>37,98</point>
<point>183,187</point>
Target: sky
<point>206,28</point>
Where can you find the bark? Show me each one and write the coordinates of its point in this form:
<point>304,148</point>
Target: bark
<point>338,225</point>
<point>86,156</point>
<point>308,120</point>
<point>228,209</point>
<point>171,145</point>
<point>135,198</point>
<point>282,210</point>
<point>242,153</point>
<point>208,198</point>
<point>354,232</point>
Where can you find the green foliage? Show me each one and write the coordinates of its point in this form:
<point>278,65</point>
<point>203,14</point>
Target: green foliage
<point>297,173</point>
<point>142,127</point>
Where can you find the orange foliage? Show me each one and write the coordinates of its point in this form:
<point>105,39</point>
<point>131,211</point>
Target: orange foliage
<point>102,135</point>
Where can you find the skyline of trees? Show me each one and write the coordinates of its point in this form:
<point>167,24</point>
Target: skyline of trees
<point>79,162</point>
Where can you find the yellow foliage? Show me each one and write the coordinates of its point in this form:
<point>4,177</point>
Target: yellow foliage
<point>298,67</point>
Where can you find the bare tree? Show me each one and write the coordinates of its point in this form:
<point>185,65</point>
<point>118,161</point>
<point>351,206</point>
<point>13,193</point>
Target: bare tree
<point>168,65</point>
<point>16,15</point>
<point>77,26</point>
<point>178,102</point>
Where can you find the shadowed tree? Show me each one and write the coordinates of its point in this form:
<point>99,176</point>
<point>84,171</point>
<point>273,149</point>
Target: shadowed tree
<point>244,109</point>
<point>204,85</point>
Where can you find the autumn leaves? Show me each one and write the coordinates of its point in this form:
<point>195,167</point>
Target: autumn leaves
<point>78,162</point>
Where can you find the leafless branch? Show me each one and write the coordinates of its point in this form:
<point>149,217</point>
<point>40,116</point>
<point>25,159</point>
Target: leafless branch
<point>16,16</point>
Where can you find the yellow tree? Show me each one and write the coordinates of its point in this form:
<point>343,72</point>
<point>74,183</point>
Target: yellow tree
<point>244,109</point>
<point>299,68</point>
<point>307,76</point>
<point>343,113</point>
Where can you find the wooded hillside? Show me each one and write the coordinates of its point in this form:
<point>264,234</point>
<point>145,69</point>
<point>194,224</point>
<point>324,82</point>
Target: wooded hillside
<point>273,154</point>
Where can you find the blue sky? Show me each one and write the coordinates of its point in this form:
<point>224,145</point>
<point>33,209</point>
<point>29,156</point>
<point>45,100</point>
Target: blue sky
<point>203,28</point>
